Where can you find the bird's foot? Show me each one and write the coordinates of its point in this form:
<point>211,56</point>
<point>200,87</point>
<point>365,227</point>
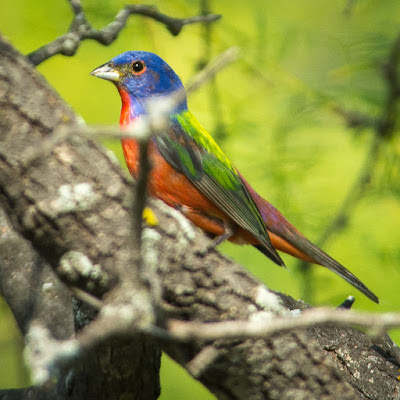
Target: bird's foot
<point>217,240</point>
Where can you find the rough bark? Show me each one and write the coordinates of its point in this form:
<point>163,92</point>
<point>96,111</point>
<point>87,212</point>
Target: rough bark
<point>73,197</point>
<point>60,217</point>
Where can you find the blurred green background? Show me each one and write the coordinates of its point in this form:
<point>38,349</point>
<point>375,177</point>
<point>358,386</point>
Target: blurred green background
<point>275,113</point>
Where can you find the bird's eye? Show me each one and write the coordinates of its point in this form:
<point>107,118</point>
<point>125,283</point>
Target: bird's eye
<point>138,67</point>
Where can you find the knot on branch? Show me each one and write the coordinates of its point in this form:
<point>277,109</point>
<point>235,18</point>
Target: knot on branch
<point>70,44</point>
<point>77,269</point>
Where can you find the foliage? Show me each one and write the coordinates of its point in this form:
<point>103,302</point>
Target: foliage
<point>301,63</point>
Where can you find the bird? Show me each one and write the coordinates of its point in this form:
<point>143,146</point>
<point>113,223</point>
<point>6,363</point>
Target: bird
<point>192,174</point>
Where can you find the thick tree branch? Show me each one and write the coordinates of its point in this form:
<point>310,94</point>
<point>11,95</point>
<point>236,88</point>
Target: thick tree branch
<point>71,224</point>
<point>81,29</point>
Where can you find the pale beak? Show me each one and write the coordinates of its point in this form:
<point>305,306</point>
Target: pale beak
<point>107,72</point>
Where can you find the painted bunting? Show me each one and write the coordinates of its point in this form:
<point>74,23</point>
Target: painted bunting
<point>192,174</point>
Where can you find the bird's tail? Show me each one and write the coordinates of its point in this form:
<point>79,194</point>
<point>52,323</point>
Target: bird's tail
<point>285,237</point>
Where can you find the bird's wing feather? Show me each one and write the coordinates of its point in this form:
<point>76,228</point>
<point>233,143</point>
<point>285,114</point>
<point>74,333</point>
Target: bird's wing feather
<point>192,151</point>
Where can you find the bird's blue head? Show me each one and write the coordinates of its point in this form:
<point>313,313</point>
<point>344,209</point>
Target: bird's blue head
<point>140,76</point>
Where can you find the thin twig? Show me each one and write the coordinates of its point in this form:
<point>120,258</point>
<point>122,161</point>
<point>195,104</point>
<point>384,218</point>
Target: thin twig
<point>139,201</point>
<point>86,297</point>
<point>115,320</point>
<point>224,59</point>
<point>375,323</point>
<point>202,360</point>
<point>80,29</point>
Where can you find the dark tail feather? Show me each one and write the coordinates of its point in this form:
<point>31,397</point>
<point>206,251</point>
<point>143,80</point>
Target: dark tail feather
<point>267,253</point>
<point>320,257</point>
<point>277,224</point>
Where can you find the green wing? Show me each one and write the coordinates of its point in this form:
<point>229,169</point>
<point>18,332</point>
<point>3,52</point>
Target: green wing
<point>190,149</point>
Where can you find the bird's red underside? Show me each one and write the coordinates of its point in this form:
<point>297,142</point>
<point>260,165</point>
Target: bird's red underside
<point>177,191</point>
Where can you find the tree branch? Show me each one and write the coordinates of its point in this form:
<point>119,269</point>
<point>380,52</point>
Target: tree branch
<point>81,29</point>
<point>72,212</point>
<point>376,324</point>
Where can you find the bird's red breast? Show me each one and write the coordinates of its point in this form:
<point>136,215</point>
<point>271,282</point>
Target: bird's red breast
<point>169,185</point>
